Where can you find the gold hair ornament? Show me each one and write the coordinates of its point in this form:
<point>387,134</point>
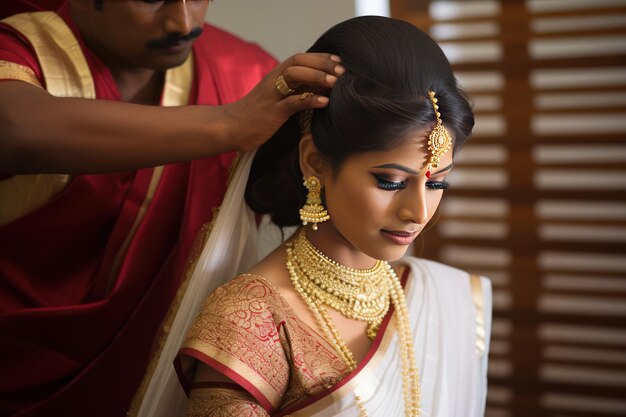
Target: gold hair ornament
<point>313,211</point>
<point>439,141</point>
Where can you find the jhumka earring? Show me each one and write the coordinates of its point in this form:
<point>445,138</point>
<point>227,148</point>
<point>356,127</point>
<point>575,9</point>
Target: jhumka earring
<point>439,141</point>
<point>313,211</point>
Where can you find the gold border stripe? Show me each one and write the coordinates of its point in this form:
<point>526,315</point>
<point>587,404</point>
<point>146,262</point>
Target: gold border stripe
<point>121,253</point>
<point>178,84</point>
<point>477,298</point>
<point>23,194</point>
<point>12,71</point>
<point>63,64</point>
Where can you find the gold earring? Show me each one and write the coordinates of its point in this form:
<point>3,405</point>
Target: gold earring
<point>313,211</point>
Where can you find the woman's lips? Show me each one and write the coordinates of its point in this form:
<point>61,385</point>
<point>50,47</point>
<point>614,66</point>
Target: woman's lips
<point>399,237</point>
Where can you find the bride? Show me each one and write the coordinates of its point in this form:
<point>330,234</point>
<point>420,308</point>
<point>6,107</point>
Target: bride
<point>336,321</point>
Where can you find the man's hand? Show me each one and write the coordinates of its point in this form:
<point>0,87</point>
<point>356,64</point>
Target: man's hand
<point>258,115</point>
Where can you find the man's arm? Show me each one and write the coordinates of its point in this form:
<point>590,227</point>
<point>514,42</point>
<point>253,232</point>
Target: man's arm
<point>40,133</point>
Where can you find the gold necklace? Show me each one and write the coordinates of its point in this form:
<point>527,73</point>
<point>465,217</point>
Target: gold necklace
<point>362,294</point>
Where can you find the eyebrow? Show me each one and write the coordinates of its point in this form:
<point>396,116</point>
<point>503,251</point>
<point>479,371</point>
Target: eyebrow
<point>410,170</point>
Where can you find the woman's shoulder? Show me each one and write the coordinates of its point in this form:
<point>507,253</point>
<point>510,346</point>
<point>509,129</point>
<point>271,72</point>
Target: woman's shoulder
<point>245,289</point>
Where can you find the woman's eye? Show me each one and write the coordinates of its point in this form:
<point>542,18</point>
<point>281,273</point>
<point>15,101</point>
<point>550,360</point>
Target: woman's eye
<point>385,184</point>
<point>437,185</point>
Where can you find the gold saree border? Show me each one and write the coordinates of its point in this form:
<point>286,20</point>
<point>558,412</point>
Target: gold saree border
<point>23,194</point>
<point>235,369</point>
<point>63,64</point>
<point>477,299</point>
<point>157,172</point>
<point>66,74</point>
<point>13,71</point>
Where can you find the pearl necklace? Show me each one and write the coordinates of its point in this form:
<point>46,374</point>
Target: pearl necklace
<point>361,294</point>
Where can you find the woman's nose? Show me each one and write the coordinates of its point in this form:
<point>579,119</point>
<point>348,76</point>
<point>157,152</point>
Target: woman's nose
<point>414,207</point>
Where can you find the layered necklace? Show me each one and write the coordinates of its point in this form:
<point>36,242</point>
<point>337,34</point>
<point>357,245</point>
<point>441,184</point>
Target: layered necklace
<point>361,294</point>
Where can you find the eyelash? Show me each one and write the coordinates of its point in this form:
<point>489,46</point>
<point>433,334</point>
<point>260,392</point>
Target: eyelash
<point>387,185</point>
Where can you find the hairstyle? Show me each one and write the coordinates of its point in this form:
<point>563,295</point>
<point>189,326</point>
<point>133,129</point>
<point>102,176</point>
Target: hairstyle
<point>382,97</point>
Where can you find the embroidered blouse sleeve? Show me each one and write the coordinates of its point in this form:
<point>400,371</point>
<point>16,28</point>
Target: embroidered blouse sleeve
<point>221,402</point>
<point>237,334</point>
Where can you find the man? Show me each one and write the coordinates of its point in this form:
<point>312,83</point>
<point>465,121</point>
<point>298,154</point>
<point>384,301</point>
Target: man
<point>99,206</point>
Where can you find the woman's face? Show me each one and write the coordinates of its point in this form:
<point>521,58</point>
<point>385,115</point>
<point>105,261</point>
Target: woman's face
<point>380,201</point>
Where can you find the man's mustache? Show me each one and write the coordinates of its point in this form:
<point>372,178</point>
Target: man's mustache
<point>174,39</point>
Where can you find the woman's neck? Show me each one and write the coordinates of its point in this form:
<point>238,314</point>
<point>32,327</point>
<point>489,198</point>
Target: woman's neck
<point>331,243</point>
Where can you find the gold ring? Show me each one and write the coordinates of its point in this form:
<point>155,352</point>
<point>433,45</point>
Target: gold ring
<point>305,95</point>
<point>283,87</point>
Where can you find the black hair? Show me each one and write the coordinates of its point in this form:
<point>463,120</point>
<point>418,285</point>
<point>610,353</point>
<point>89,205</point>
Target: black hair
<point>382,98</point>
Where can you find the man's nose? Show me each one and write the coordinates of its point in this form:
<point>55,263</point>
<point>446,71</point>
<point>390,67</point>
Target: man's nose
<point>178,18</point>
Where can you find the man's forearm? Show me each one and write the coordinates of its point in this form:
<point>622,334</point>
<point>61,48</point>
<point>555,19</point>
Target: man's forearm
<point>40,133</point>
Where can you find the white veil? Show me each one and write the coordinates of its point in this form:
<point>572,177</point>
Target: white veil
<point>230,249</point>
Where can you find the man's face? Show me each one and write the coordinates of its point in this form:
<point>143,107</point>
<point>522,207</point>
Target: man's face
<point>128,34</point>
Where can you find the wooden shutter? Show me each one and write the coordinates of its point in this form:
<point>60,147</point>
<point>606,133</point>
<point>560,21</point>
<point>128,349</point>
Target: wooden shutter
<point>538,198</point>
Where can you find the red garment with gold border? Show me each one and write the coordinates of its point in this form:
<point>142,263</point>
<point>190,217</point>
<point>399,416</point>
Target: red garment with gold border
<point>83,289</point>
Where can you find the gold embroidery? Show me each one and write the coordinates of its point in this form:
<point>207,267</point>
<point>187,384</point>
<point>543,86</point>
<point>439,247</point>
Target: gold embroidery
<point>248,327</point>
<point>12,71</point>
<point>222,402</point>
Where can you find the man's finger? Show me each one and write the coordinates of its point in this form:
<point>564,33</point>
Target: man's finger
<point>297,102</point>
<point>296,76</point>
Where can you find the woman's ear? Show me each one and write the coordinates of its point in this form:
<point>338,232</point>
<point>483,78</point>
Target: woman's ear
<point>311,160</point>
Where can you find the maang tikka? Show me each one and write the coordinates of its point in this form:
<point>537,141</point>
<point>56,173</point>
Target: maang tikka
<point>313,211</point>
<point>439,141</point>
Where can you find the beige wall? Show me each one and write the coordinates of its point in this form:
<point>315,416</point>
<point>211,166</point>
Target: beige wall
<point>282,27</point>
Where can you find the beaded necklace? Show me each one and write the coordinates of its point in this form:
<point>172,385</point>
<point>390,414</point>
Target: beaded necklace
<point>362,294</point>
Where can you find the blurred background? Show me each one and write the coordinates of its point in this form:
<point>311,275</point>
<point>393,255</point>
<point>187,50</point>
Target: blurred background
<point>538,197</point>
